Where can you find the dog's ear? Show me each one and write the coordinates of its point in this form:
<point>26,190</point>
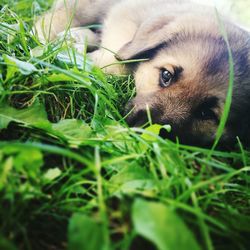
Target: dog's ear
<point>150,35</point>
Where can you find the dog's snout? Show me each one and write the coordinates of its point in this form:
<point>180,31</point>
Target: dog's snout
<point>137,118</point>
<point>136,112</point>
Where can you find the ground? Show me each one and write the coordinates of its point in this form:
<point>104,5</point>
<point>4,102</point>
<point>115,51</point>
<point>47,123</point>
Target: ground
<point>74,176</point>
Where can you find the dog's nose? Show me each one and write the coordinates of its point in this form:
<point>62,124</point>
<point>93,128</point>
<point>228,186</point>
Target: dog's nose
<point>137,118</point>
<point>136,115</point>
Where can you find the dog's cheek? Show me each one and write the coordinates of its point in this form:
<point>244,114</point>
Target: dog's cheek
<point>191,134</point>
<point>204,131</point>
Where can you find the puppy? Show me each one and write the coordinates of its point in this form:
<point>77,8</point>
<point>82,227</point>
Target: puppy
<point>184,79</point>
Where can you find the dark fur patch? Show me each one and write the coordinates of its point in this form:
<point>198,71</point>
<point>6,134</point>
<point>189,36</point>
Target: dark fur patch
<point>149,54</point>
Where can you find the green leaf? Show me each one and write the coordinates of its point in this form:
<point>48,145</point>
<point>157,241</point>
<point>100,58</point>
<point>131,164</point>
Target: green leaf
<point>14,65</point>
<point>20,173</point>
<point>85,233</point>
<point>59,78</point>
<point>152,131</point>
<point>150,135</point>
<point>72,58</point>
<point>5,244</point>
<point>38,51</point>
<point>131,180</point>
<point>52,174</point>
<point>74,131</point>
<point>5,169</point>
<point>9,30</point>
<point>162,226</point>
<point>28,162</point>
<point>34,115</point>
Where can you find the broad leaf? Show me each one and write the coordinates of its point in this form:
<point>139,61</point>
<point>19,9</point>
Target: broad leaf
<point>131,180</point>
<point>59,78</point>
<point>152,131</point>
<point>52,174</point>
<point>85,233</point>
<point>6,244</point>
<point>74,131</point>
<point>28,162</point>
<point>34,115</point>
<point>72,58</point>
<point>162,226</point>
<point>14,65</point>
<point>150,135</point>
<point>20,173</point>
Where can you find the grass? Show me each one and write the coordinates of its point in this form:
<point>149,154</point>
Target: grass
<point>74,176</point>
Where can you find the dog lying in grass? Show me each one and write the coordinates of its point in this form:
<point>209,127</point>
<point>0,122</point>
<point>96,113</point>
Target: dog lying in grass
<point>185,78</point>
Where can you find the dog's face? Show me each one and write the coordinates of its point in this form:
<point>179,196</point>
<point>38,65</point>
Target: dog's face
<point>185,81</point>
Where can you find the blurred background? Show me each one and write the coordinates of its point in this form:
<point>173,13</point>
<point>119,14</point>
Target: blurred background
<point>238,9</point>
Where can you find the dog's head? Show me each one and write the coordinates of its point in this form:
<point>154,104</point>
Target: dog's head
<point>185,81</point>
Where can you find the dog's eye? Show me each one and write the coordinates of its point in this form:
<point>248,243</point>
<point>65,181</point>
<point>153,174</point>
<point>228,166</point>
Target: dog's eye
<point>166,78</point>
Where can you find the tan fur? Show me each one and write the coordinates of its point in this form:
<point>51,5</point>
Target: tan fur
<point>171,34</point>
